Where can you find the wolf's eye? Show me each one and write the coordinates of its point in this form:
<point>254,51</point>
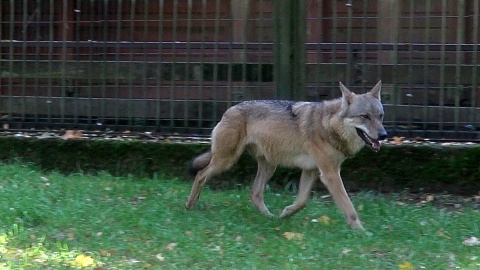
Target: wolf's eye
<point>365,116</point>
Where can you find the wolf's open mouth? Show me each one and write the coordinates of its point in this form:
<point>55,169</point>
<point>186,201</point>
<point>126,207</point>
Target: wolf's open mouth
<point>374,144</point>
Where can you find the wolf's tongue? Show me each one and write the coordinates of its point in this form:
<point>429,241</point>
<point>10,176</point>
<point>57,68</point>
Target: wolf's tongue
<point>375,144</point>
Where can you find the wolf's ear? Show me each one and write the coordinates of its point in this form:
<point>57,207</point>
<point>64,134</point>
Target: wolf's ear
<point>376,90</point>
<point>347,95</point>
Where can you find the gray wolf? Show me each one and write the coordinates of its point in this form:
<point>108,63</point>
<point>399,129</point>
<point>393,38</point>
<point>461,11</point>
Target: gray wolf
<point>313,136</point>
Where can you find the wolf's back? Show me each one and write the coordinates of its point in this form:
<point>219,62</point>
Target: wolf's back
<point>199,162</point>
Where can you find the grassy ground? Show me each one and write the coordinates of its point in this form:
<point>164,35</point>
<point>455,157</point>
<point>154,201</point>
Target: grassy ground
<point>52,221</point>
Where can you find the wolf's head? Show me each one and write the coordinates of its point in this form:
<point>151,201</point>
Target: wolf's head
<point>364,113</point>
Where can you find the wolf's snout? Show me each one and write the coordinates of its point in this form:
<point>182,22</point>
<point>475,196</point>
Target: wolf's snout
<point>382,135</point>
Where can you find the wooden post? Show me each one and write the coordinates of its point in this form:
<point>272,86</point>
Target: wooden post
<point>289,49</point>
<point>239,11</point>
<point>388,27</point>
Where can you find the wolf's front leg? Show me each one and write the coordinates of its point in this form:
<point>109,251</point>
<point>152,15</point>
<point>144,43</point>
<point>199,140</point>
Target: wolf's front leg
<point>332,180</point>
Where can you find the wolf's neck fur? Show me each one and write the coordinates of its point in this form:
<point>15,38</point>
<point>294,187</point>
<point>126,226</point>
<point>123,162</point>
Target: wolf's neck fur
<point>344,140</point>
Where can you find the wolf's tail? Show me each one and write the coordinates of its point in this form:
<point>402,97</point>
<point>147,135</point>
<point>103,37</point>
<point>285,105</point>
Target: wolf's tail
<point>199,163</point>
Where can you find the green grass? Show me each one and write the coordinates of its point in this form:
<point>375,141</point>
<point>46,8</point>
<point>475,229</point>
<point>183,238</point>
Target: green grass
<point>52,221</point>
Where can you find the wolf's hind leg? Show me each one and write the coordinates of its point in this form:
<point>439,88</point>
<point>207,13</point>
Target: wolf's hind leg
<point>306,182</point>
<point>264,173</point>
<point>227,146</point>
<point>217,165</point>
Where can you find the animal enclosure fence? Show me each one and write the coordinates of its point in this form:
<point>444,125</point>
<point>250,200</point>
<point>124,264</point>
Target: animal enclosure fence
<point>177,65</point>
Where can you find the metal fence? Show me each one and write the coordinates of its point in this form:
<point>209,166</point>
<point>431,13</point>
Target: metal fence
<point>177,65</point>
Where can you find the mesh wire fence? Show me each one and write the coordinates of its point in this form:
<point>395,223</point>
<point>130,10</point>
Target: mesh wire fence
<point>177,65</point>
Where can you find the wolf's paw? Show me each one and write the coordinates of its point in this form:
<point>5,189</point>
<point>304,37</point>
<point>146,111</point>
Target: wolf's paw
<point>189,206</point>
<point>287,212</point>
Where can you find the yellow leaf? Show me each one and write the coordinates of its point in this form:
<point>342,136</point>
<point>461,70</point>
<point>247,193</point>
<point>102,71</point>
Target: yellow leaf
<point>293,236</point>
<point>83,261</point>
<point>324,220</point>
<point>406,266</point>
<point>397,139</point>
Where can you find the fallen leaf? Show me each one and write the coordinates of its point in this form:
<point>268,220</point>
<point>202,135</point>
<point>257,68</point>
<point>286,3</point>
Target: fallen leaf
<point>293,236</point>
<point>71,236</point>
<point>397,139</point>
<point>443,234</point>
<point>324,220</point>
<point>406,266</point>
<point>171,246</point>
<point>418,139</point>
<point>160,257</point>
<point>72,134</point>
<point>472,241</point>
<point>83,261</point>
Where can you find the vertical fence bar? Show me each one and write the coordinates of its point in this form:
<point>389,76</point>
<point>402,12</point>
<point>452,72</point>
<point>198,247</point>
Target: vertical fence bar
<point>63,26</point>
<point>79,99</point>
<point>231,57</point>
<point>90,57</point>
<point>215,59</point>
<point>243,58</point>
<point>159,78</point>
<point>146,67</point>
<point>411,93</point>
<point>202,64</point>
<point>349,53</point>
<point>334,18</point>
<point>36,66</point>
<point>426,68</point>
<point>50,102</point>
<point>364,43</point>
<point>474,87</point>
<point>24,60</point>
<point>259,50</point>
<point>187,66</point>
<point>459,60</point>
<point>131,64</point>
<point>173,66</point>
<point>395,17</point>
<point>105,64</point>
<point>442,65</point>
<point>319,49</point>
<point>118,39</point>
<point>10,59</point>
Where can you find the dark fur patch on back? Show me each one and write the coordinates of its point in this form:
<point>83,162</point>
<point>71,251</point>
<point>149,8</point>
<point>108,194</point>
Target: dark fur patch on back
<point>286,105</point>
